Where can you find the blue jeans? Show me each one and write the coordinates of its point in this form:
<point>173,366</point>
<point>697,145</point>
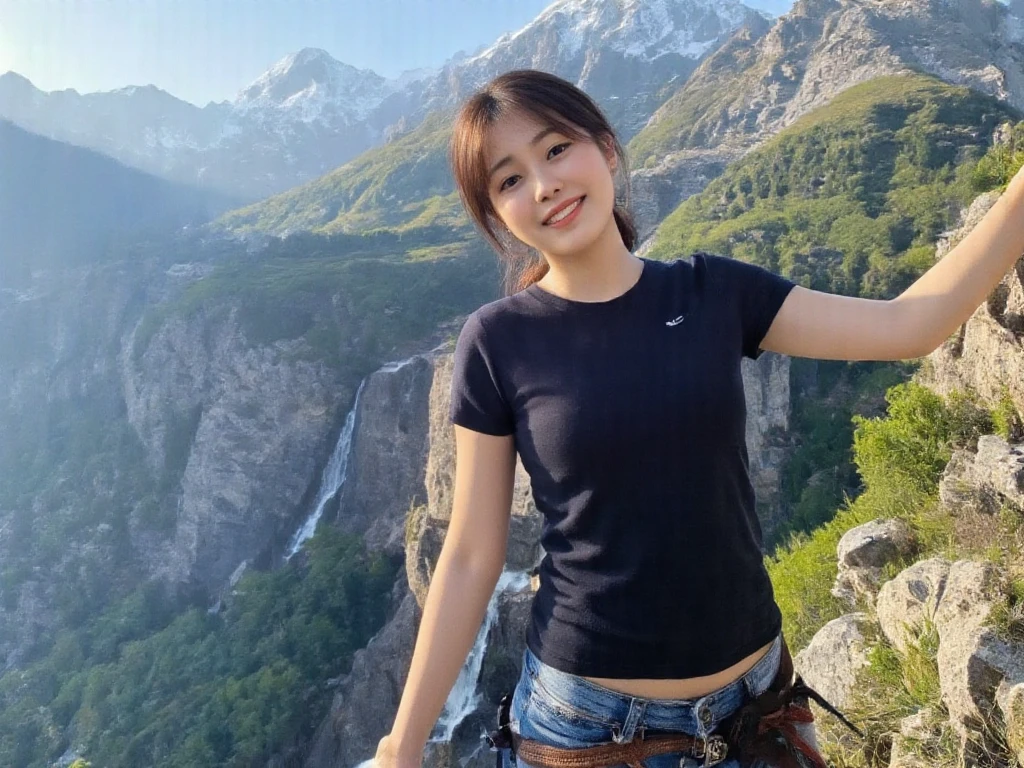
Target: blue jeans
<point>564,710</point>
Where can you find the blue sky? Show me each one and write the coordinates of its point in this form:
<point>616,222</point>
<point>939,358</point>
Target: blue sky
<point>203,50</point>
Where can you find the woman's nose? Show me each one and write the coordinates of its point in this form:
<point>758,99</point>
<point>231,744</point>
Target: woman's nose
<point>546,187</point>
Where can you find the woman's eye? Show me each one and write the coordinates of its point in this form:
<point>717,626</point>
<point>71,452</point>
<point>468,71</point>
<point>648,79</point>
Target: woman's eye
<point>563,144</point>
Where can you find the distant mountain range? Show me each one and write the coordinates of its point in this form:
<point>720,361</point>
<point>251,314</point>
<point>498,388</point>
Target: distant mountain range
<point>691,85</point>
<point>763,78</point>
<point>62,205</point>
<point>310,113</point>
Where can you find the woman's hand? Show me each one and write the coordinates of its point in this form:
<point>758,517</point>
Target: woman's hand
<point>388,756</point>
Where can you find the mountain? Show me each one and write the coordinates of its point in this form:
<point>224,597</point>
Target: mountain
<point>627,55</point>
<point>624,53</point>
<point>303,117</point>
<point>766,77</point>
<point>759,83</point>
<point>310,113</point>
<point>761,79</point>
<point>62,205</point>
<point>309,82</point>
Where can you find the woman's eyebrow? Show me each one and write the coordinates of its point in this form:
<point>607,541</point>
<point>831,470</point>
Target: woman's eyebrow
<point>508,158</point>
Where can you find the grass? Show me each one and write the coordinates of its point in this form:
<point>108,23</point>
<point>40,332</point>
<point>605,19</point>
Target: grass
<point>902,456</point>
<point>894,686</point>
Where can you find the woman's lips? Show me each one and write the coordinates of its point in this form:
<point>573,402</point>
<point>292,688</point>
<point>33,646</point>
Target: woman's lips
<point>575,212</point>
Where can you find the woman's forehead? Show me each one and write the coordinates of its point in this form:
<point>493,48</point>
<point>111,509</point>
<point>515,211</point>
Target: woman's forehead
<point>511,131</point>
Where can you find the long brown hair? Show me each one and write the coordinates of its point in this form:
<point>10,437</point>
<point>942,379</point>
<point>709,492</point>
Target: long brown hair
<point>553,102</point>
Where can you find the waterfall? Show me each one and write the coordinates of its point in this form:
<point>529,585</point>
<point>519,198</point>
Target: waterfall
<point>337,467</point>
<point>464,697</point>
<point>332,480</point>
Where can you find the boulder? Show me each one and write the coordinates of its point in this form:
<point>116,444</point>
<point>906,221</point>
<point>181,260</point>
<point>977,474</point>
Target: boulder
<point>830,662</point>
<point>863,552</point>
<point>909,599</point>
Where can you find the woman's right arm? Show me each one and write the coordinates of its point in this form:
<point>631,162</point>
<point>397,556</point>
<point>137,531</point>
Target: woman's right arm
<point>471,560</point>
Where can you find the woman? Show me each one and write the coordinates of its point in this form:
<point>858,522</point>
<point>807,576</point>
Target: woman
<point>617,380</point>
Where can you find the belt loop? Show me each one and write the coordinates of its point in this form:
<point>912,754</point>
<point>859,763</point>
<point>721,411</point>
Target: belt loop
<point>774,652</point>
<point>703,714</point>
<point>637,708</point>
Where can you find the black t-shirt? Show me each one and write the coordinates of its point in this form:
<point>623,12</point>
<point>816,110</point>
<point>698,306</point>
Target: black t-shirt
<point>629,416</point>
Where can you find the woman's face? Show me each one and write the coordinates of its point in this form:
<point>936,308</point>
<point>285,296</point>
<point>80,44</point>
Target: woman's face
<point>540,174</point>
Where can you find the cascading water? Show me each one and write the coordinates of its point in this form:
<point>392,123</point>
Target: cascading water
<point>332,480</point>
<point>465,697</point>
<point>337,467</point>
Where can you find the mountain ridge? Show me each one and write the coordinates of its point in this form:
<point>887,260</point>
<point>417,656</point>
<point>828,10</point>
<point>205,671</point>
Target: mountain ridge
<point>309,113</point>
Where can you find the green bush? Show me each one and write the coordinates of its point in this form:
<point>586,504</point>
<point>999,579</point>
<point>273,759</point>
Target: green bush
<point>900,458</point>
<point>1005,418</point>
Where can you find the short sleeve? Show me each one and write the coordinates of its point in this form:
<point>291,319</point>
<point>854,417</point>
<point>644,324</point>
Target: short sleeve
<point>759,294</point>
<point>477,401</point>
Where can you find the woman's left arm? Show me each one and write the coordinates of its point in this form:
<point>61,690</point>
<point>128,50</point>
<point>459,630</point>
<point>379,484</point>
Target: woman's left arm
<point>830,326</point>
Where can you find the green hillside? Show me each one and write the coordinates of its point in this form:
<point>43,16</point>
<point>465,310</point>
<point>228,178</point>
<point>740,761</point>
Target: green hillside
<point>851,198</point>
<point>403,185</point>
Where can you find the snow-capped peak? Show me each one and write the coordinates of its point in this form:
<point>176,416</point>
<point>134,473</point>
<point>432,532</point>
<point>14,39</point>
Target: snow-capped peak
<point>642,28</point>
<point>306,83</point>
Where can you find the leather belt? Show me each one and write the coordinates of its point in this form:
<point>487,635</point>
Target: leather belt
<point>712,749</point>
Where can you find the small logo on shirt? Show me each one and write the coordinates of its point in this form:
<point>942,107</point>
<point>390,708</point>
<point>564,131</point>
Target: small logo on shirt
<point>677,321</point>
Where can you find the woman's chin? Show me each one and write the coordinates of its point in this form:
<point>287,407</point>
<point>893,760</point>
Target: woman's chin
<point>580,240</point>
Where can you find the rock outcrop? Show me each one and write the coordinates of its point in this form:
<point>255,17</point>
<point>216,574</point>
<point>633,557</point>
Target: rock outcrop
<point>985,355</point>
<point>980,670</point>
<point>864,551</point>
<point>909,600</point>
<point>830,662</point>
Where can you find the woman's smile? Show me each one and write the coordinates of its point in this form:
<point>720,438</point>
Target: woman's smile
<point>567,215</point>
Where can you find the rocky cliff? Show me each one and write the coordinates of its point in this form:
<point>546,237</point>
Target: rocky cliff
<point>985,354</point>
<point>958,609</point>
<point>235,408</point>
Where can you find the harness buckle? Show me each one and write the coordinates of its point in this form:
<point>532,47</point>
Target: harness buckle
<point>712,748</point>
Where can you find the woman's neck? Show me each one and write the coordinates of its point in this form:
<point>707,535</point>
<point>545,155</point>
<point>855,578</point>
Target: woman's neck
<point>602,271</point>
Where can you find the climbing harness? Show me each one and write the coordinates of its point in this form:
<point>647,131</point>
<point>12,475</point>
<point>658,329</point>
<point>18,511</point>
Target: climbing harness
<point>763,729</point>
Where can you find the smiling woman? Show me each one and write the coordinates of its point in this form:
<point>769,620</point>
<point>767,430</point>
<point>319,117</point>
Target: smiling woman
<point>527,151</point>
<point>607,373</point>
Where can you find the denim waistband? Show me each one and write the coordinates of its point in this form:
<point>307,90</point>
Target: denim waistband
<point>698,715</point>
